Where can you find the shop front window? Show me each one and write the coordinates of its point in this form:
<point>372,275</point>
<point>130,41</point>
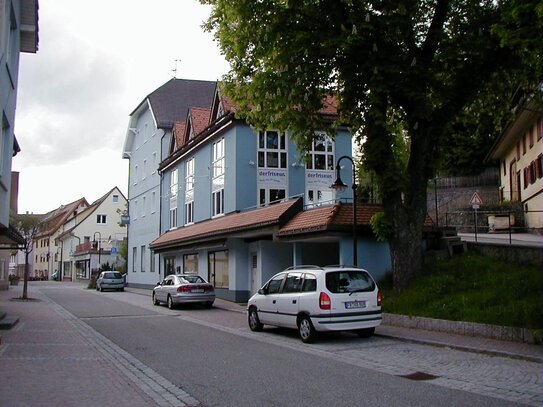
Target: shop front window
<point>218,268</point>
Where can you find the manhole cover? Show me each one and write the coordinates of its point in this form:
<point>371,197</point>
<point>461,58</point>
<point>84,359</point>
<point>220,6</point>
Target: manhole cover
<point>419,376</point>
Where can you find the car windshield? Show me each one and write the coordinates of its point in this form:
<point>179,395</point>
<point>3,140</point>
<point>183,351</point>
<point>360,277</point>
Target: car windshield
<point>191,279</point>
<point>349,281</point>
<point>113,275</point>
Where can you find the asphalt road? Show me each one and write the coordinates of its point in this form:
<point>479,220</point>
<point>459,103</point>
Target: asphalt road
<point>216,359</point>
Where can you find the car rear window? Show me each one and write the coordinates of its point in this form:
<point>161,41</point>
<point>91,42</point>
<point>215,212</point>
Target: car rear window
<point>192,279</point>
<point>113,275</point>
<point>348,281</point>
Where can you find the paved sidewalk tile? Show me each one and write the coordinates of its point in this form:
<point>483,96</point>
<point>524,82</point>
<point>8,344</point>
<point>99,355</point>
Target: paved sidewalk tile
<point>47,360</point>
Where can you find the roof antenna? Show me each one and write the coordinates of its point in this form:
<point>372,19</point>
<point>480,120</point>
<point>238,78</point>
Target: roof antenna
<point>174,70</point>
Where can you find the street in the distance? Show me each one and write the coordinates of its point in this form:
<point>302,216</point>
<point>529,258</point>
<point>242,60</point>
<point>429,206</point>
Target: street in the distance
<point>195,356</point>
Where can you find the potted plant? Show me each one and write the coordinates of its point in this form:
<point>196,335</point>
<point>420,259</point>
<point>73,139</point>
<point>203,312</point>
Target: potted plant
<point>13,279</point>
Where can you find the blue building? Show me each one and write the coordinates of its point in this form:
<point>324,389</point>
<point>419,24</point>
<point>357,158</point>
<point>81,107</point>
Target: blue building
<point>237,205</point>
<point>147,144</point>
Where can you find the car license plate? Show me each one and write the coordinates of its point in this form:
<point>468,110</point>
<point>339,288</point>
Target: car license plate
<point>355,304</point>
<point>197,290</point>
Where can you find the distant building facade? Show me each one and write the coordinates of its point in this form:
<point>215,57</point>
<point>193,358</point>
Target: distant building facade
<point>519,150</point>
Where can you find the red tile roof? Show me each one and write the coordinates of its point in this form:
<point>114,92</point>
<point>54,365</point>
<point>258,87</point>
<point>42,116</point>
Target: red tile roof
<point>179,135</point>
<point>329,105</point>
<point>328,217</point>
<point>273,215</point>
<point>199,118</point>
<point>228,105</point>
<point>333,217</point>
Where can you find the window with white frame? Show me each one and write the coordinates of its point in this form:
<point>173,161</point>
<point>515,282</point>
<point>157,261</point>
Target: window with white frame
<point>189,175</point>
<point>217,193</point>
<point>173,198</point>
<point>218,202</point>
<point>321,156</point>
<point>269,196</point>
<point>173,217</point>
<point>218,158</point>
<point>189,191</point>
<point>115,198</point>
<point>173,182</point>
<point>189,212</point>
<point>153,202</point>
<point>316,197</point>
<point>272,149</point>
<point>101,219</point>
<point>320,170</point>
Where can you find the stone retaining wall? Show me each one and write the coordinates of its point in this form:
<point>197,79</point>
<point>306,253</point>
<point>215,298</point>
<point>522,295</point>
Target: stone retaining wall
<point>509,253</point>
<point>503,333</point>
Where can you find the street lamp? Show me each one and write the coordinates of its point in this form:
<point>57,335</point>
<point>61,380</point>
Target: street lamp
<point>340,186</point>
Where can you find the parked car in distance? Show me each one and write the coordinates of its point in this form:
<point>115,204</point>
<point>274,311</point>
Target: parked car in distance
<point>112,280</point>
<point>178,289</point>
<point>316,299</point>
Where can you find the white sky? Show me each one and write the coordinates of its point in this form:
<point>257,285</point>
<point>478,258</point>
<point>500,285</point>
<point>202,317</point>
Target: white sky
<point>97,60</point>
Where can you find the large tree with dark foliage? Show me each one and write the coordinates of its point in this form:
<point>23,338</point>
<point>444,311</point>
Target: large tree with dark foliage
<point>426,64</point>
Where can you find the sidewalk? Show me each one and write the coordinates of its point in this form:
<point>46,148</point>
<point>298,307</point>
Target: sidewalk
<point>50,358</point>
<point>495,347</point>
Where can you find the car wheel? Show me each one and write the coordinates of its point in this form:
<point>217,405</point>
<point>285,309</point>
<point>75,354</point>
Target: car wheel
<point>155,301</point>
<point>121,289</point>
<point>306,330</point>
<point>170,302</point>
<point>208,304</point>
<point>254,321</point>
<point>366,333</point>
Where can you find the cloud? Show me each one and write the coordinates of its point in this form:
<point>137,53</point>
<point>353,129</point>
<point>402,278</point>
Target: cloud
<point>96,62</point>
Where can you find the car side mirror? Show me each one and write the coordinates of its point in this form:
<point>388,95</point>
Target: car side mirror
<point>262,291</point>
<point>157,284</point>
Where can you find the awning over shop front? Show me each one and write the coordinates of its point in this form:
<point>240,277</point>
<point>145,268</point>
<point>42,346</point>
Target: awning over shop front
<point>243,223</point>
<point>10,238</point>
<point>286,221</point>
<point>331,218</point>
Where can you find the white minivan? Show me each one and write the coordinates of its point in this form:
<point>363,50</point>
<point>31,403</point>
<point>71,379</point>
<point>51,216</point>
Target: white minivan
<point>315,299</point>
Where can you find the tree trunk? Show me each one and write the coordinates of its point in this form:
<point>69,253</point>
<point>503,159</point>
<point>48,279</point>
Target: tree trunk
<point>408,209</point>
<point>406,247</point>
<point>25,278</point>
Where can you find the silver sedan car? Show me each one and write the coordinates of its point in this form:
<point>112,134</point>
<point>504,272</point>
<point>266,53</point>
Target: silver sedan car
<point>178,289</point>
<point>110,280</point>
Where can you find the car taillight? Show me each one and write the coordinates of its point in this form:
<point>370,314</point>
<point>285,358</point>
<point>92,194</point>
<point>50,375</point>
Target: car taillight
<point>379,298</point>
<point>183,289</point>
<point>209,288</point>
<point>324,301</point>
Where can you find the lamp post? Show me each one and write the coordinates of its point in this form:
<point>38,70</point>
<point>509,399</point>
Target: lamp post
<point>340,186</point>
<point>98,245</point>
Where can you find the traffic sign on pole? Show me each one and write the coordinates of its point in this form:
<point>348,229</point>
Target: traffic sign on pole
<point>476,199</point>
